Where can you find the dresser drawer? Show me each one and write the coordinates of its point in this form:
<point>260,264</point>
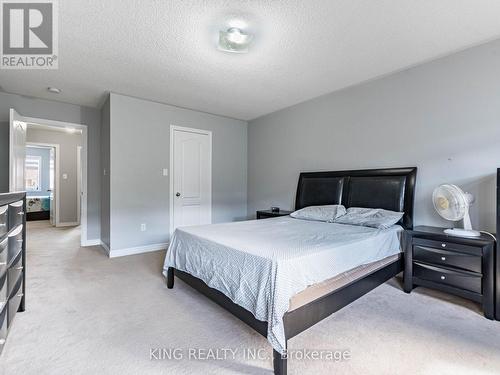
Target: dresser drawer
<point>3,328</point>
<point>16,214</point>
<point>447,258</point>
<point>471,250</point>
<point>4,220</point>
<point>14,302</point>
<point>15,243</point>
<point>14,273</point>
<point>4,255</point>
<point>462,280</point>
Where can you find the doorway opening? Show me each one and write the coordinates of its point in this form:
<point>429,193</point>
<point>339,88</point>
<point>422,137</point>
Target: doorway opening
<point>42,182</point>
<point>48,159</point>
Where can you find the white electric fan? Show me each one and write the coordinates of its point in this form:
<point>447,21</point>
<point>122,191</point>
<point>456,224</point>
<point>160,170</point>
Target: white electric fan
<point>452,203</point>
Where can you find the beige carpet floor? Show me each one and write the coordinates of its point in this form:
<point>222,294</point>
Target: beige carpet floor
<point>87,314</point>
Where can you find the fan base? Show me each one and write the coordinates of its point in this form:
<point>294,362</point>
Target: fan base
<point>462,232</point>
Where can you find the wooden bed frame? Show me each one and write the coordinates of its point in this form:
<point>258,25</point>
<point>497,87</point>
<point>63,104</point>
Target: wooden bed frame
<point>37,215</point>
<point>391,189</point>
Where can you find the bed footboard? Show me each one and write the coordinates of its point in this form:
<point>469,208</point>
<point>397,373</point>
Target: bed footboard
<point>302,318</point>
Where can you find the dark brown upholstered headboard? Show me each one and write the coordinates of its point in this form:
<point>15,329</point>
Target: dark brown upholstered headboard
<point>391,189</point>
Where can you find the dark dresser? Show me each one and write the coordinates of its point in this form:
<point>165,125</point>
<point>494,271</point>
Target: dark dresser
<point>457,265</point>
<point>12,259</point>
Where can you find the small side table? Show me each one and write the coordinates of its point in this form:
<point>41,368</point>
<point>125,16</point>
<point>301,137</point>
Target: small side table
<point>266,214</point>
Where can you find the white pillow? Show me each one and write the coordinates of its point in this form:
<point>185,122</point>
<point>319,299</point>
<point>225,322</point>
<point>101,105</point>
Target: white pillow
<point>370,217</point>
<point>326,213</point>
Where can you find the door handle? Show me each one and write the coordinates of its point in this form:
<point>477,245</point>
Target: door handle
<point>177,194</point>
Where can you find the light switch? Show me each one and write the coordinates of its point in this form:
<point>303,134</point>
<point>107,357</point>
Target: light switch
<point>65,176</point>
<point>165,172</point>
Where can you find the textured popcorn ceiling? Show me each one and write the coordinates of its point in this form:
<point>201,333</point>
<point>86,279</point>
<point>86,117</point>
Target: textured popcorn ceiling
<point>165,50</point>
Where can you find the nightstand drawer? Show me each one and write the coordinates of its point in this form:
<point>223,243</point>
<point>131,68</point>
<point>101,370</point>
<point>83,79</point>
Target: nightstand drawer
<point>447,258</point>
<point>463,280</point>
<point>471,250</point>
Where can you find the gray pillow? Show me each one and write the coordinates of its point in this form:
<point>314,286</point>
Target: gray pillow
<point>370,217</point>
<point>326,213</point>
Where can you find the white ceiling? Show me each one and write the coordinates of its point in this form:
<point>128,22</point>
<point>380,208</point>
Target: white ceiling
<point>165,50</point>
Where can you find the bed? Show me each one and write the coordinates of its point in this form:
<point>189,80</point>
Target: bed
<point>283,275</point>
<point>37,208</point>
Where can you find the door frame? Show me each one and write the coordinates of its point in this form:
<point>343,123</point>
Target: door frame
<point>79,174</point>
<point>56,147</point>
<point>84,205</point>
<point>173,129</point>
<point>12,114</point>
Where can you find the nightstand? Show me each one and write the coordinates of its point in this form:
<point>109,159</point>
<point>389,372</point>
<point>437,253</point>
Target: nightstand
<point>266,214</point>
<point>457,265</point>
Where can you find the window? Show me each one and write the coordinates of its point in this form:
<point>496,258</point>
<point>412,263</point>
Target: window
<point>33,172</point>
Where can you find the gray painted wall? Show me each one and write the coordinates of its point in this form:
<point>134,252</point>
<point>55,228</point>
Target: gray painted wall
<point>68,190</point>
<point>4,156</point>
<point>52,110</point>
<point>443,117</point>
<point>140,132</point>
<point>105,173</point>
<point>44,154</point>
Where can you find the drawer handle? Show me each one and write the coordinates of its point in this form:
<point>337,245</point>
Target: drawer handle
<point>21,213</point>
<point>3,263</point>
<point>3,225</point>
<point>443,277</point>
<point>443,245</point>
<point>2,341</point>
<point>20,295</point>
<point>443,258</point>
<point>19,268</point>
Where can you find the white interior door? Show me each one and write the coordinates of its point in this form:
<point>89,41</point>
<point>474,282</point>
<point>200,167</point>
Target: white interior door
<point>192,177</point>
<point>17,151</point>
<point>52,185</point>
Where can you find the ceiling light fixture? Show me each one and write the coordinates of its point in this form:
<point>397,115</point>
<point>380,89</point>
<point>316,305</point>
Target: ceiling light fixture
<point>54,90</point>
<point>234,40</point>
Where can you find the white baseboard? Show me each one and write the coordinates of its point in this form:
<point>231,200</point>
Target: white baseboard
<point>95,242</point>
<point>67,224</point>
<point>137,250</point>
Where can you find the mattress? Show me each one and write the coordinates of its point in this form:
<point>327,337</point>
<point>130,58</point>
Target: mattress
<point>261,264</point>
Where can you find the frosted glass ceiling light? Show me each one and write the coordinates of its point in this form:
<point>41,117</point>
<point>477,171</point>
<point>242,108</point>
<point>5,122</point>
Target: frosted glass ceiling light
<point>234,40</point>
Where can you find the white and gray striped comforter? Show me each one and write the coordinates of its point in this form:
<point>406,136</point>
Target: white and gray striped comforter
<point>261,264</point>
